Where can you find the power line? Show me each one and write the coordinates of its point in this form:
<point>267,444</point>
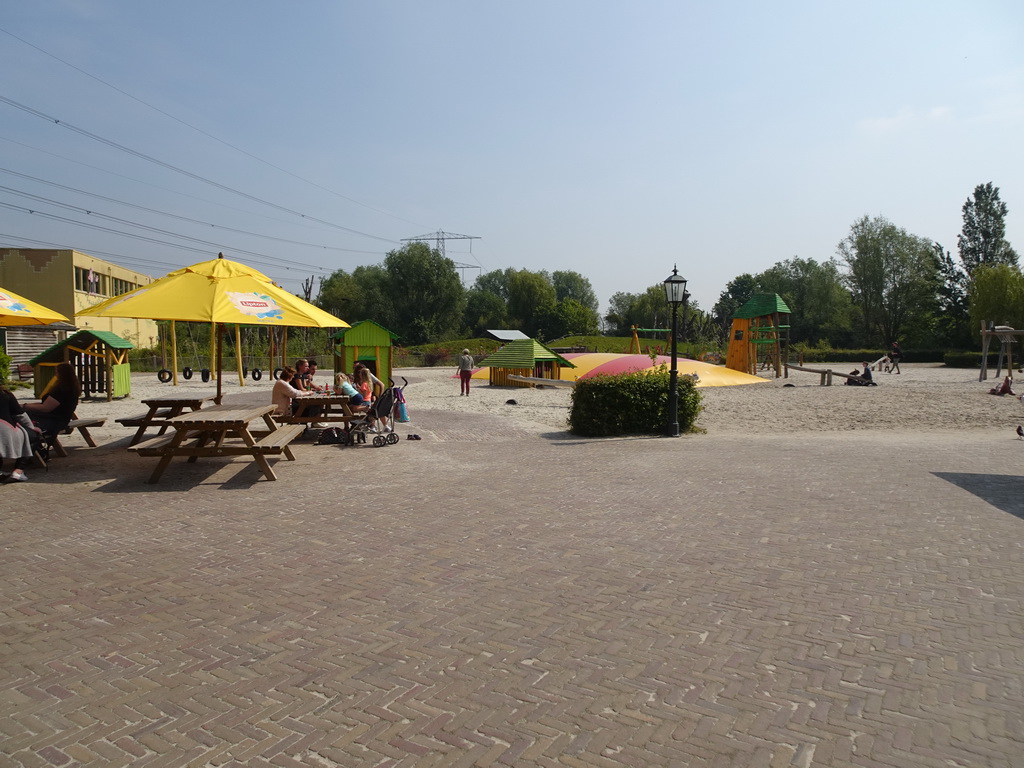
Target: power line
<point>182,171</point>
<point>150,184</point>
<point>144,238</point>
<point>164,213</point>
<point>123,260</point>
<point>204,133</point>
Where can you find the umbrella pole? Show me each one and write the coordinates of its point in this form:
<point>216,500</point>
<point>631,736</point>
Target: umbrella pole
<point>238,354</point>
<point>215,350</point>
<point>174,352</point>
<point>220,351</point>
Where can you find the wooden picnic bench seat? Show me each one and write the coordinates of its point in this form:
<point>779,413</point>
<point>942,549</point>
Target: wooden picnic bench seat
<point>152,447</point>
<point>141,418</point>
<point>276,441</point>
<point>53,444</point>
<point>82,425</point>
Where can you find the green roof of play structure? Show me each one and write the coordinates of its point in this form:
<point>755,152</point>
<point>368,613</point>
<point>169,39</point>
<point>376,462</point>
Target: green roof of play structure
<point>761,305</point>
<point>366,332</point>
<point>81,339</point>
<point>523,353</point>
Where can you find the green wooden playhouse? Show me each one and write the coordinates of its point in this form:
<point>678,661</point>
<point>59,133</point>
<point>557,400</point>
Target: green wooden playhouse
<point>368,343</point>
<point>100,360</point>
<point>523,357</point>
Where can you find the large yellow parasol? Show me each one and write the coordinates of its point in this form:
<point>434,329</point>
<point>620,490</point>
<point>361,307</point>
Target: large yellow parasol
<point>217,291</point>
<point>17,310</point>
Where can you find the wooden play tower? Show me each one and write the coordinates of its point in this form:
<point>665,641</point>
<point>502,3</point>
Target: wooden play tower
<point>759,337</point>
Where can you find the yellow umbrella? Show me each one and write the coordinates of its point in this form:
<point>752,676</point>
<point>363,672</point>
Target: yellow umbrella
<point>217,291</point>
<point>17,310</point>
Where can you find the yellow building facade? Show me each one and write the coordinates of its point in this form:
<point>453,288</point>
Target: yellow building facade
<point>69,281</point>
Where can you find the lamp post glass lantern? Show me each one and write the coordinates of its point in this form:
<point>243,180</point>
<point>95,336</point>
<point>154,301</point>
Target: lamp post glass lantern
<point>675,294</point>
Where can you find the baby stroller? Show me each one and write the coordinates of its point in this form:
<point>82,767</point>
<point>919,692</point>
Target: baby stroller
<point>376,420</point>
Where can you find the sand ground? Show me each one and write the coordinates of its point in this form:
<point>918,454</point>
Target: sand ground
<point>923,398</point>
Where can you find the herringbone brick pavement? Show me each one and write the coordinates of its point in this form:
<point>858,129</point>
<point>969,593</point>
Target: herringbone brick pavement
<point>492,596</point>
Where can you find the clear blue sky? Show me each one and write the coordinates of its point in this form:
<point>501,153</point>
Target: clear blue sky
<point>614,139</point>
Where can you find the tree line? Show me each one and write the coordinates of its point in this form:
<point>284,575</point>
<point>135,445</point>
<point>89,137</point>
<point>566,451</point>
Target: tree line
<point>883,284</point>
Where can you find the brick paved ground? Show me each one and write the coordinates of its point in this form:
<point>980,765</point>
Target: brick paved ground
<point>493,597</point>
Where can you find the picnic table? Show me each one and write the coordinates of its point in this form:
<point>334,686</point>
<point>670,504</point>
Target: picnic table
<point>324,408</point>
<point>222,430</point>
<point>161,411</point>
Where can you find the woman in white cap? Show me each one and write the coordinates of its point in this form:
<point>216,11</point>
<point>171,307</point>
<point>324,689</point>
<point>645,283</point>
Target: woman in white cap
<point>466,366</point>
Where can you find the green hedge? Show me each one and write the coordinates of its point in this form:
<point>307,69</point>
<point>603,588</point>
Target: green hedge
<point>630,404</point>
<point>820,355</point>
<point>961,359</point>
<point>5,367</point>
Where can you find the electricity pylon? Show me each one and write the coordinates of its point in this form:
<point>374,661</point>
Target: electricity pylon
<point>439,238</point>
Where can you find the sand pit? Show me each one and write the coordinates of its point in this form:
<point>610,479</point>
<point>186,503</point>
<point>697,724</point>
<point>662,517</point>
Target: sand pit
<point>923,398</point>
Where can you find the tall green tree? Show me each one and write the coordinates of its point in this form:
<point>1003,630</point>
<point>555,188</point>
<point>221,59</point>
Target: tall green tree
<point>573,285</point>
<point>952,327</point>
<point>892,276</point>
<point>496,281</point>
<point>531,301</point>
<point>982,241</point>
<point>997,297</point>
<point>485,311</point>
<point>737,293</point>
<point>426,294</point>
<point>644,310</point>
<point>815,293</point>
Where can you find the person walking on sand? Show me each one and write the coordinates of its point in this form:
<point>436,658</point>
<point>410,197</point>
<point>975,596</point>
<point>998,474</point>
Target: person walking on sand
<point>894,357</point>
<point>466,366</point>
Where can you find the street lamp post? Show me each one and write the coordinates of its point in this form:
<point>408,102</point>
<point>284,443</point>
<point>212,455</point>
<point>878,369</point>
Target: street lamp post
<point>675,293</point>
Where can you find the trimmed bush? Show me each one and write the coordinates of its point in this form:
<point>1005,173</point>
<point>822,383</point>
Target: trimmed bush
<point>630,404</point>
<point>960,359</point>
<point>826,355</point>
<point>5,367</point>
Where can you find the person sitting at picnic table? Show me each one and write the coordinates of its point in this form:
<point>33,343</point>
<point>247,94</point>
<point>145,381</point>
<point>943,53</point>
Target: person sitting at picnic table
<point>361,381</point>
<point>312,385</point>
<point>59,401</point>
<point>16,430</point>
<point>283,392</point>
<point>301,378</point>
<point>1006,388</point>
<point>343,386</point>
<point>377,388</point>
<point>283,395</point>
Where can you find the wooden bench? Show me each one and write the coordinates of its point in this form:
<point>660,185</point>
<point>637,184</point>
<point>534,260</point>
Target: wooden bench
<point>142,418</point>
<point>275,442</point>
<point>153,447</point>
<point>25,372</point>
<point>82,425</point>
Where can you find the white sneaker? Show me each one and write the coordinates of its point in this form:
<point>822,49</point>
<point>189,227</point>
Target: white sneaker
<point>318,425</point>
<point>19,476</point>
